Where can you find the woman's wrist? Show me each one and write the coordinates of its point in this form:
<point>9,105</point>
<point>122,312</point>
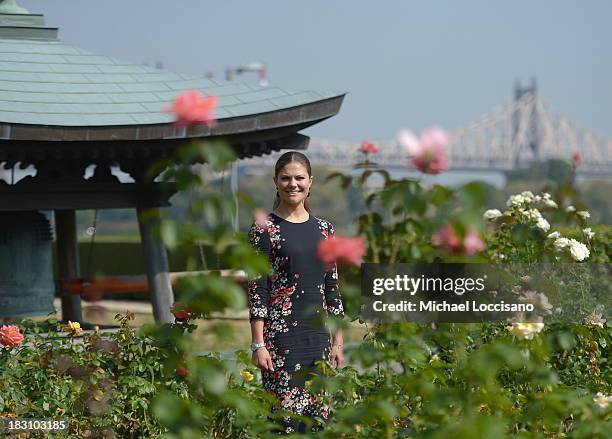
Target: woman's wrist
<point>337,339</point>
<point>257,346</point>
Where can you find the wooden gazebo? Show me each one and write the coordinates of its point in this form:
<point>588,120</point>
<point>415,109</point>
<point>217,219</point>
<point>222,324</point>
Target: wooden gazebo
<point>63,109</point>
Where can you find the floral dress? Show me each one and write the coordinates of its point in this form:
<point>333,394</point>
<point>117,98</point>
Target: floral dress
<point>293,301</point>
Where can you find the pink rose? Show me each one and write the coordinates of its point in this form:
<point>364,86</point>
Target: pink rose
<point>576,159</point>
<point>343,250</point>
<point>193,108</point>
<point>447,238</point>
<point>472,243</point>
<point>261,218</point>
<point>429,152</point>
<point>367,147</point>
<point>10,336</point>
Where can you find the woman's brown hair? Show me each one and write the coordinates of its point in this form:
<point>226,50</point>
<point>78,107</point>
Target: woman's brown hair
<point>284,160</point>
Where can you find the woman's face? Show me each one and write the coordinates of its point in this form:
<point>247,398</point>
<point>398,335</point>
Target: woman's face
<point>293,183</point>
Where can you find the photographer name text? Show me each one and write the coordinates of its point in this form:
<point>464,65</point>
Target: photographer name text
<point>444,306</point>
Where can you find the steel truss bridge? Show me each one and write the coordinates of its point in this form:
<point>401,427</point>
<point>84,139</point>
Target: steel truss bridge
<point>515,134</point>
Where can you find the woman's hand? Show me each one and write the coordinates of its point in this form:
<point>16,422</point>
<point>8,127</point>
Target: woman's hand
<point>336,358</point>
<point>261,358</point>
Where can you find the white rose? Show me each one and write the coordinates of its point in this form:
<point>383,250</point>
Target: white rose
<point>533,214</point>
<point>561,243</point>
<point>554,235</point>
<point>491,214</point>
<point>543,224</point>
<point>588,233</point>
<point>525,331</point>
<point>602,400</point>
<point>551,204</point>
<point>570,209</point>
<point>539,300</point>
<point>584,214</point>
<point>595,320</point>
<point>578,250</point>
<point>515,200</point>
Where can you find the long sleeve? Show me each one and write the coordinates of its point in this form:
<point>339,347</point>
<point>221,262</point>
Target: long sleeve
<point>259,288</point>
<point>333,302</point>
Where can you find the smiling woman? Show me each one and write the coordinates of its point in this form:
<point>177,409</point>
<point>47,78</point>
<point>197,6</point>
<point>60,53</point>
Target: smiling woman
<point>293,178</point>
<point>287,307</point>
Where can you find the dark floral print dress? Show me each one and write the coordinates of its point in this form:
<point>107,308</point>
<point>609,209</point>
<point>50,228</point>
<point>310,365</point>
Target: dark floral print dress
<point>293,301</point>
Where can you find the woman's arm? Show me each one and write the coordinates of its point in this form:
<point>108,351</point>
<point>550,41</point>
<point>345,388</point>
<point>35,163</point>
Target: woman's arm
<point>259,288</point>
<point>261,357</point>
<point>336,356</point>
<point>333,301</point>
<point>333,304</point>
<point>259,293</point>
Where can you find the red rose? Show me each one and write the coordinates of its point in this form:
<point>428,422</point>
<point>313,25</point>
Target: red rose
<point>191,107</point>
<point>10,336</point>
<point>181,315</point>
<point>182,371</point>
<point>340,249</point>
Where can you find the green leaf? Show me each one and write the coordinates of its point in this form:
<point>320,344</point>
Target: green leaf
<point>169,234</point>
<point>472,195</point>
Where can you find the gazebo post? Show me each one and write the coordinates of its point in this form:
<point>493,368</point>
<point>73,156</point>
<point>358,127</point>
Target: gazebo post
<point>68,261</point>
<point>156,261</point>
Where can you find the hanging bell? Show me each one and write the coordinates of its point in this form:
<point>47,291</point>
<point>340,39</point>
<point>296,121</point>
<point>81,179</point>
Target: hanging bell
<point>26,265</point>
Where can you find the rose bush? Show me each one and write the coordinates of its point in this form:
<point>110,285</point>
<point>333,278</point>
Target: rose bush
<point>404,380</point>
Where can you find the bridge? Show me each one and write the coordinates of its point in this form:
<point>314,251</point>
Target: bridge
<point>515,134</point>
<point>520,132</point>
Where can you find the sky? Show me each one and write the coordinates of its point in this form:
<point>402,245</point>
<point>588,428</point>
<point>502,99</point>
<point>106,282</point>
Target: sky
<point>404,64</point>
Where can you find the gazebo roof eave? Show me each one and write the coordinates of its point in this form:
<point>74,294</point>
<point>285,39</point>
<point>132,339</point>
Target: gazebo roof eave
<point>309,113</point>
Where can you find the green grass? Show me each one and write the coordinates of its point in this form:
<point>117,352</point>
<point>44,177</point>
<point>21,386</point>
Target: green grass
<point>111,238</point>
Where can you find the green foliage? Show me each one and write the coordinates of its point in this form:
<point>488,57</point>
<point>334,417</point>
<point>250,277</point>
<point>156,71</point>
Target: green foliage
<point>417,381</point>
<point>403,379</point>
<point>97,382</point>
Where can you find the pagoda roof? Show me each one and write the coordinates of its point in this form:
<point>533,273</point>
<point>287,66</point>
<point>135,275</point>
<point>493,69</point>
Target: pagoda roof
<point>54,91</point>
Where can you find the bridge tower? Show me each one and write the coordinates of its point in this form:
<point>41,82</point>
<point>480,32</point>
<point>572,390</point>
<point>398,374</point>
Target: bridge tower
<point>527,115</point>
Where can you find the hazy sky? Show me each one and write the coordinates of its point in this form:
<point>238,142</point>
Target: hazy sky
<point>404,63</point>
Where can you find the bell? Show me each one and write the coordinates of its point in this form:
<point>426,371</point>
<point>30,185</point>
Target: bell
<point>26,265</point>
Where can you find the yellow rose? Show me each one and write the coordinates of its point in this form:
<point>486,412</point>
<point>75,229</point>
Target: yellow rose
<point>74,327</point>
<point>248,376</point>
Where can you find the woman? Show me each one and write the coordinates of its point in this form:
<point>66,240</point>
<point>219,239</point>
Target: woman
<point>287,308</point>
